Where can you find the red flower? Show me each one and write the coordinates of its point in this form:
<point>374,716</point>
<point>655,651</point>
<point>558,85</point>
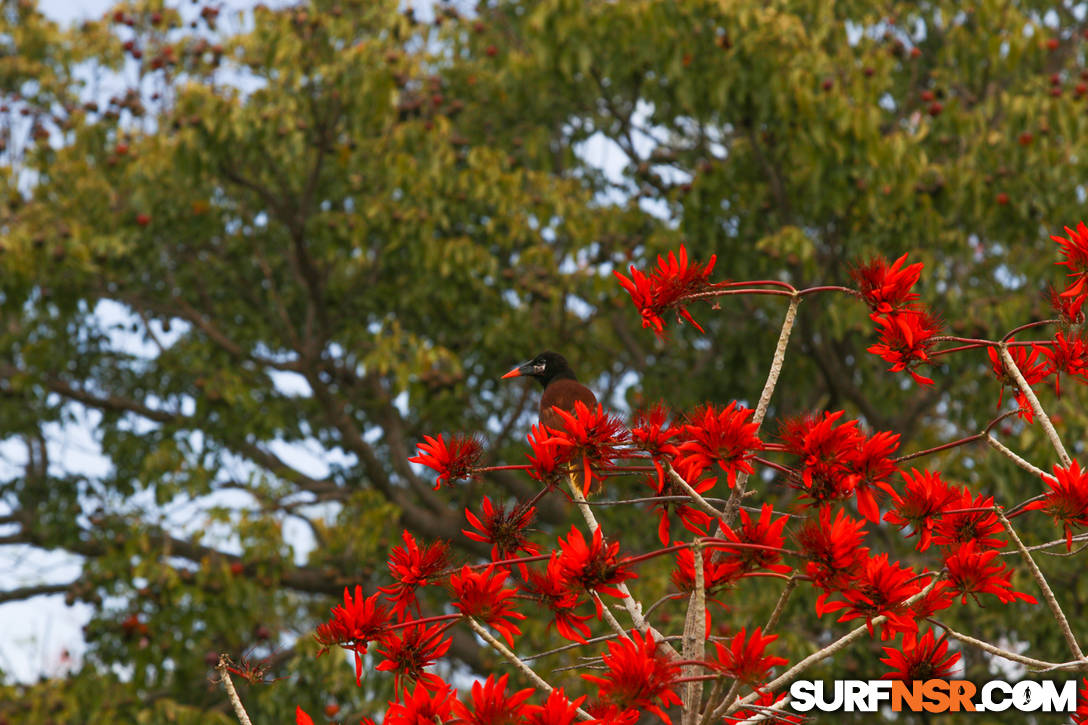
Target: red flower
<point>871,465</point>
<point>503,530</point>
<point>1075,251</point>
<point>905,340</point>
<point>353,625</point>
<point>1067,500</point>
<point>592,566</point>
<point>424,707</point>
<point>744,659</point>
<point>453,461</point>
<point>980,526</point>
<point>592,436</point>
<point>481,595</point>
<point>1031,367</point>
<point>649,434</point>
<point>765,531</point>
<point>301,718</point>
<point>693,519</point>
<point>970,572</point>
<point>552,591</point>
<point>408,650</point>
<point>1068,308</point>
<point>925,660</point>
<point>637,676</point>
<point>925,496</point>
<point>1067,356</point>
<point>833,548</point>
<point>666,287</point>
<point>545,460</point>
<point>725,437</point>
<point>1080,717</point>
<point>824,448</point>
<point>887,288</point>
<point>556,710</point>
<point>605,714</point>
<point>880,588</point>
<point>491,705</point>
<point>413,567</point>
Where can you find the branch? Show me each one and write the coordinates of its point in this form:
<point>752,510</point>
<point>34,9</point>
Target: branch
<point>1022,383</point>
<point>1048,593</point>
<point>232,694</point>
<point>516,661</point>
<point>779,358</point>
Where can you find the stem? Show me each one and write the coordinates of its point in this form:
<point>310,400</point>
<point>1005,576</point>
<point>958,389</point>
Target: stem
<point>700,502</point>
<point>1048,427</point>
<point>789,675</point>
<point>232,694</point>
<point>764,401</point>
<point>516,661</point>
<point>694,643</point>
<point>633,606</point>
<point>1003,450</point>
<point>791,584</point>
<point>987,647</point>
<point>1048,594</point>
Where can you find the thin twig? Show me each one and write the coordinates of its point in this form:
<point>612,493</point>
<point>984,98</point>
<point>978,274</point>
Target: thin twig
<point>517,662</point>
<point>789,675</point>
<point>1011,455</point>
<point>1038,665</point>
<point>1048,593</point>
<point>633,606</point>
<point>781,604</point>
<point>700,502</point>
<point>779,358</point>
<point>232,694</point>
<point>1048,427</point>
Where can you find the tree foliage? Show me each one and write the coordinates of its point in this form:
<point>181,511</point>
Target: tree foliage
<point>260,255</point>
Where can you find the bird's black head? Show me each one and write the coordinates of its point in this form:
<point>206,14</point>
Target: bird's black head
<point>545,367</point>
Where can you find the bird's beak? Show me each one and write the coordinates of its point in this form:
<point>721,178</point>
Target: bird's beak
<point>525,369</point>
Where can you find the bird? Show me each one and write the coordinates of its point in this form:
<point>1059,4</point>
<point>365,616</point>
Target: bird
<point>561,388</point>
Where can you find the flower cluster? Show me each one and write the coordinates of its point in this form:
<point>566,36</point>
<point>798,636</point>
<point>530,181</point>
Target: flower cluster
<point>906,329</point>
<point>454,461</point>
<point>667,287</point>
<point>1075,250</point>
<point>838,461</point>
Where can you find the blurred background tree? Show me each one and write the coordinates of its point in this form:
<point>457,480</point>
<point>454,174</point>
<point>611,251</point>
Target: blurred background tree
<point>257,256</point>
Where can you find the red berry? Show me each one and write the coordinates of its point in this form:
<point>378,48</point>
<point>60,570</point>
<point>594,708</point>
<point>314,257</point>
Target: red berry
<point>236,568</point>
<point>827,84</point>
<point>927,96</point>
<point>1002,198</point>
<point>1082,88</point>
<point>128,45</point>
<point>119,16</point>
<point>156,18</point>
<point>1052,44</point>
<point>1025,139</point>
<point>479,27</point>
<point>915,52</point>
<point>331,709</point>
<point>121,149</point>
<point>143,219</point>
<point>869,71</point>
<point>491,51</point>
<point>1055,79</point>
<point>1056,91</point>
<point>935,109</point>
